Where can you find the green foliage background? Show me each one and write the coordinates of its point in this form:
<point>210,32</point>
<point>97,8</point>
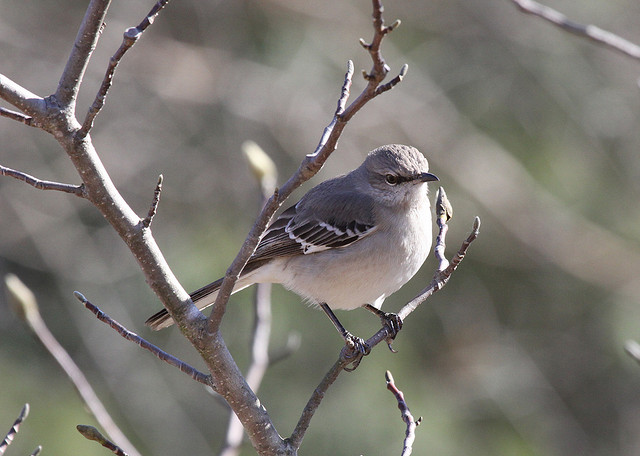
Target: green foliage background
<point>532,129</point>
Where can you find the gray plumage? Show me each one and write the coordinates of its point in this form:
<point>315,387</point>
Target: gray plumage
<point>350,241</point>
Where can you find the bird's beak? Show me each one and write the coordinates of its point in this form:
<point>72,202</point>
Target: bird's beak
<point>427,177</point>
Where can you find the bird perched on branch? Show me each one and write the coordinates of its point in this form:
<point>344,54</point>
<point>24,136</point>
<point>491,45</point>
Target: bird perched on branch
<point>350,242</point>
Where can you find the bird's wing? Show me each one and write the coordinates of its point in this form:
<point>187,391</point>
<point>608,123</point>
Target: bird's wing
<point>298,232</point>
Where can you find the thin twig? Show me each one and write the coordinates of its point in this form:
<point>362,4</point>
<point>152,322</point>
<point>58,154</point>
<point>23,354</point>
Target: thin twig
<point>130,37</point>
<point>440,278</point>
<point>77,190</point>
<point>591,32</point>
<point>91,433</point>
<point>342,102</point>
<point>28,310</point>
<point>311,163</point>
<point>405,413</point>
<point>14,429</point>
<point>314,402</point>
<point>345,360</point>
<point>17,116</point>
<point>442,274</point>
<point>133,337</point>
<point>146,222</point>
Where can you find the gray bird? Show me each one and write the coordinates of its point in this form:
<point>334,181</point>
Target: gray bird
<point>350,242</point>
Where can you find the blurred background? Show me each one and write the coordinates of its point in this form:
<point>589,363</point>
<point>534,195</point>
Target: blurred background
<point>528,127</point>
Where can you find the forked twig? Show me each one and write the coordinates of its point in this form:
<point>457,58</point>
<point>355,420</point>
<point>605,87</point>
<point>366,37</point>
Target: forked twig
<point>133,337</point>
<point>130,37</point>
<point>312,162</point>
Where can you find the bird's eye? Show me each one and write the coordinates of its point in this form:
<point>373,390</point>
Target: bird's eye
<point>391,179</point>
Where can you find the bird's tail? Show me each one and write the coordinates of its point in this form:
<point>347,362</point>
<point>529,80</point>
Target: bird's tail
<point>202,298</point>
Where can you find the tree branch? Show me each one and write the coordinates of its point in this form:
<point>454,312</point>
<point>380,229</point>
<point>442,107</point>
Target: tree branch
<point>440,278</point>
<point>591,32</point>
<point>77,190</point>
<point>28,310</point>
<point>83,46</point>
<point>154,204</point>
<point>17,116</point>
<point>130,37</point>
<point>142,343</point>
<point>91,433</point>
<point>407,417</point>
<point>21,98</point>
<point>311,164</point>
<point>314,401</point>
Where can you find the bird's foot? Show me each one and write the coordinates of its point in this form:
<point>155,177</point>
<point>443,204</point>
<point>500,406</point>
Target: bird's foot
<point>393,323</point>
<point>354,350</point>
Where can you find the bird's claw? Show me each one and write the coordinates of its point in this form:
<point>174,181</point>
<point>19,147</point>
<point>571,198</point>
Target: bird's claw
<point>392,322</point>
<point>355,349</point>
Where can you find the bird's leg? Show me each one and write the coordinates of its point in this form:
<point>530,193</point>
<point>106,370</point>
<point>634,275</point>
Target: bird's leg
<point>391,321</point>
<point>357,344</point>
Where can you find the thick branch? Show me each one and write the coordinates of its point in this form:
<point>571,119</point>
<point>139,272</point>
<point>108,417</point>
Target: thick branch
<point>21,98</point>
<point>591,32</point>
<point>83,46</point>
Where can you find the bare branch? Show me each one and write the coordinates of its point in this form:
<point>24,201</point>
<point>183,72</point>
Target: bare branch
<point>130,37</point>
<point>311,163</point>
<point>14,429</point>
<point>27,308</point>
<point>133,337</point>
<point>91,433</point>
<point>265,172</point>
<point>440,277</point>
<point>154,204</point>
<point>342,101</point>
<point>407,417</point>
<point>21,98</point>
<point>83,46</point>
<point>77,190</point>
<point>591,32</point>
<point>314,402</point>
<point>17,116</point>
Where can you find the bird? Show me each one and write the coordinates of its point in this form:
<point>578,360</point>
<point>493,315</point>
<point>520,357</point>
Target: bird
<point>349,242</point>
